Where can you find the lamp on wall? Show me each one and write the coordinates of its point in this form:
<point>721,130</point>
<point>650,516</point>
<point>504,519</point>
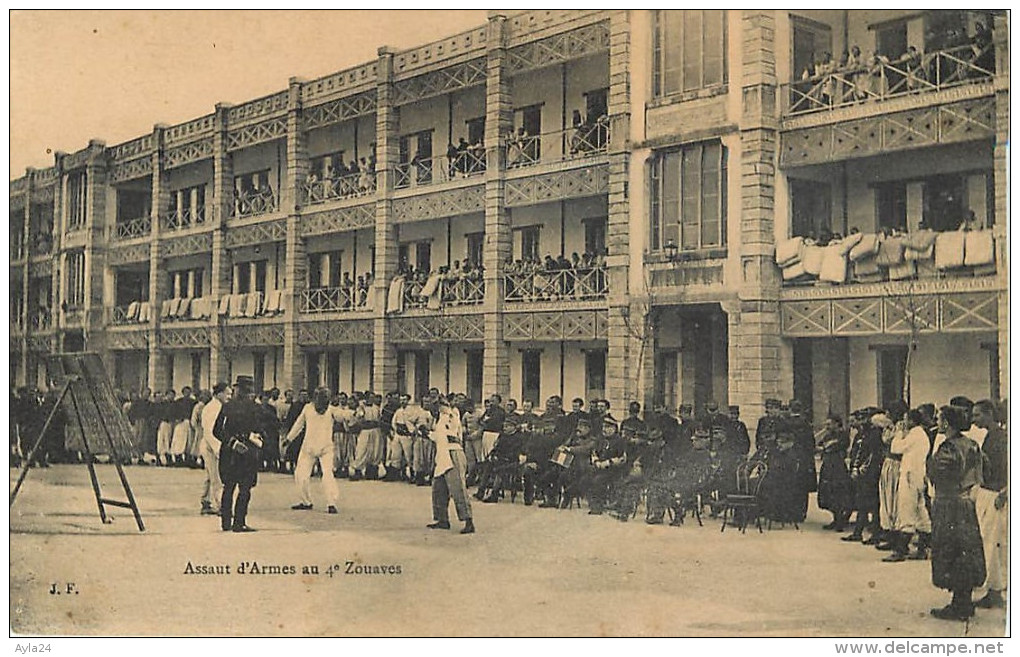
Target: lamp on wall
<point>671,250</point>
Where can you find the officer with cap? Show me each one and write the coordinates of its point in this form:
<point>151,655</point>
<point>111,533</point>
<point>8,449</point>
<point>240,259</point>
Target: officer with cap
<point>240,431</point>
<point>608,460</point>
<point>502,463</point>
<point>572,459</point>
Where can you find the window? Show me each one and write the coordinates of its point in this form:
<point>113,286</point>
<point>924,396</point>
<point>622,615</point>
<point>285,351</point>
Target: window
<point>812,208</point>
<point>17,234</point>
<point>186,283</point>
<point>250,183</point>
<point>475,248</point>
<point>529,242</point>
<point>596,105</point>
<point>595,373</point>
<point>892,369</point>
<point>531,375</point>
<point>810,40</point>
<point>196,372</point>
<point>891,39</point>
<point>332,371</point>
<point>324,269</point>
<point>666,378</point>
<point>689,197</point>
<point>421,374</point>
<point>259,370</point>
<point>423,256</point>
<point>689,50</point>
<point>326,166</point>
<point>132,204</point>
<point>476,130</point>
<point>242,278</point>
<point>187,205</point>
<point>891,200</point>
<point>75,279</point>
<point>76,196</point>
<point>944,207</point>
<point>475,360</point>
<point>595,234</point>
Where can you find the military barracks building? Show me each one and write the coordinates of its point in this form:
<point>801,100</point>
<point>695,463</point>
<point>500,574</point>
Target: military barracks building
<point>688,150</point>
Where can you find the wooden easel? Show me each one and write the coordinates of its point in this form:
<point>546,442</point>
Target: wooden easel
<point>90,407</point>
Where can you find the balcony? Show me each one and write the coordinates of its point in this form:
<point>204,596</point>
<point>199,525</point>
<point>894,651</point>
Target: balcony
<point>907,262</point>
<point>428,171</point>
<point>133,229</point>
<point>17,323</point>
<point>353,185</point>
<point>41,320</point>
<point>136,312</point>
<point>41,244</point>
<point>436,292</point>
<point>335,300</point>
<point>585,140</point>
<point>883,80</point>
<point>182,309</point>
<point>182,219</point>
<point>271,303</point>
<point>254,203</point>
<point>577,284</point>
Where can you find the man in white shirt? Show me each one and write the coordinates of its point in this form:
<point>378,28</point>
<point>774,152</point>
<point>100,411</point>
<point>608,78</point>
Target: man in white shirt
<point>212,490</point>
<point>316,419</point>
<point>450,470</point>
<point>405,427</point>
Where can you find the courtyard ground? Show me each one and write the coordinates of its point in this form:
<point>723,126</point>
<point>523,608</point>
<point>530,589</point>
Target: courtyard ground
<point>527,572</point>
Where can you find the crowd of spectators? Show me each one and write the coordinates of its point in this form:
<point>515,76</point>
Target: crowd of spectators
<point>553,279</point>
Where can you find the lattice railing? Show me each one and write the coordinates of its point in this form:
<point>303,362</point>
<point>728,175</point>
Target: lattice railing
<point>440,169</point>
<point>333,300</point>
<point>41,319</point>
<point>349,186</point>
<point>568,144</point>
<point>581,284</point>
<point>133,228</point>
<point>462,291</point>
<point>251,204</point>
<point>182,219</point>
<point>933,71</point>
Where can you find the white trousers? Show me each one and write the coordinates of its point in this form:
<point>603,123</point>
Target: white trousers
<point>212,490</point>
<point>303,473</point>
<point>994,524</point>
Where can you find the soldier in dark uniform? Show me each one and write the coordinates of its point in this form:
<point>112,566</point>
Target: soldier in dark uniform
<point>539,447</point>
<point>572,459</point>
<point>609,461</point>
<point>503,462</point>
<point>669,450</point>
<point>240,431</point>
<point>766,434</point>
<point>742,443</point>
<point>866,455</point>
<point>576,413</point>
<point>804,444</point>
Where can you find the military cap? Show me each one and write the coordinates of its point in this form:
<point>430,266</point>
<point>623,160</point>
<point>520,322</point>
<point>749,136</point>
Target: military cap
<point>733,408</point>
<point>687,407</point>
<point>772,402</point>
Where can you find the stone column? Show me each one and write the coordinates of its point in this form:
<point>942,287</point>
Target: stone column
<point>1001,173</point>
<point>387,121</point>
<point>158,374</point>
<point>756,347</point>
<point>296,262</point>
<point>498,238</point>
<point>94,319</point>
<point>26,241</point>
<point>221,207</point>
<point>56,276</point>
<point>625,328</point>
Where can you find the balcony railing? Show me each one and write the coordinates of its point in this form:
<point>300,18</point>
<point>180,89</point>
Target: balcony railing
<point>580,141</point>
<point>882,79</point>
<point>349,186</point>
<point>334,300</point>
<point>252,204</point>
<point>440,169</point>
<point>182,219</point>
<point>17,322</point>
<point>463,291</point>
<point>41,320</point>
<point>438,291</point>
<point>578,284</point>
<point>133,228</point>
<point>872,258</point>
<point>17,247</point>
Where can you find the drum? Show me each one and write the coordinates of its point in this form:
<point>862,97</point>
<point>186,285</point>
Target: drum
<point>562,457</point>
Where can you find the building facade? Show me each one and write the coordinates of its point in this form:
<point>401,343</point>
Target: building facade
<point>400,224</point>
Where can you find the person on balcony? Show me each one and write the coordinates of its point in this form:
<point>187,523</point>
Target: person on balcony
<point>475,158</point>
<point>365,178</point>
<point>452,160</point>
<point>982,51</point>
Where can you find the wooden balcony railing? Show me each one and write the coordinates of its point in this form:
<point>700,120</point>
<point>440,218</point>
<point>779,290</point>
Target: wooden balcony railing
<point>580,284</point>
<point>577,142</point>
<point>252,204</point>
<point>440,169</point>
<point>334,300</point>
<point>182,219</point>
<point>41,320</point>
<point>349,186</point>
<point>133,228</point>
<point>882,79</point>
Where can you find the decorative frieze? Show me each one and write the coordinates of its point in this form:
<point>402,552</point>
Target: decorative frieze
<point>447,203</point>
<point>189,130</point>
<point>128,339</point>
<point>540,23</point>
<point>338,220</point>
<point>186,245</point>
<point>132,149</point>
<point>258,109</point>
<point>202,149</point>
<point>39,344</point>
<point>555,326</point>
<point>190,337</point>
<point>407,62</point>
<point>443,81</point>
<point>253,335</point>
<point>258,133</point>
<point>130,169</point>
<point>559,48</point>
<point>451,328</point>
<point>122,255</point>
<point>339,110</point>
<point>264,232</point>
<point>328,333</point>
<point>571,183</point>
<point>340,82</point>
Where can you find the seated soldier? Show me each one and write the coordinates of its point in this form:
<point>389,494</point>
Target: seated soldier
<point>695,476</point>
<point>670,450</point>
<point>609,463</point>
<point>572,459</point>
<point>642,454</point>
<point>503,462</point>
<point>539,445</point>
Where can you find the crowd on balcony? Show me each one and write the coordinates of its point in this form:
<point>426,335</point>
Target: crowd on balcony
<point>952,58</point>
<point>350,294</point>
<point>465,159</point>
<point>250,201</point>
<point>457,285</point>
<point>888,255</point>
<point>343,181</point>
<point>585,136</point>
<point>557,279</point>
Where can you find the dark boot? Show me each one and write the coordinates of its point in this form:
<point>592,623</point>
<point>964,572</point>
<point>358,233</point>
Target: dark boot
<point>469,527</point>
<point>961,608</point>
<point>992,600</point>
<point>901,545</point>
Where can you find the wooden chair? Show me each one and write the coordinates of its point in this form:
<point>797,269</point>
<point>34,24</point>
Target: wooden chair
<point>746,503</point>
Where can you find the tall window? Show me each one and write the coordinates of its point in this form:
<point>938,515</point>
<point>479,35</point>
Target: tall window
<point>475,248</point>
<point>76,195</point>
<point>188,205</point>
<point>75,292</point>
<point>595,234</point>
<point>530,242</point>
<point>475,360</point>
<point>595,373</point>
<point>17,234</point>
<point>531,375</point>
<point>689,197</point>
<point>689,50</point>
<point>891,201</point>
<point>187,283</point>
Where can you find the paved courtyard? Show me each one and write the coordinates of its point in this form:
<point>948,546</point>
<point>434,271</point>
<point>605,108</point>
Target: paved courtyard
<point>527,572</point>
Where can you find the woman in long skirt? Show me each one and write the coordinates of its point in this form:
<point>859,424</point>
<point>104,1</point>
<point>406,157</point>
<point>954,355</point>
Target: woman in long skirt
<point>957,557</point>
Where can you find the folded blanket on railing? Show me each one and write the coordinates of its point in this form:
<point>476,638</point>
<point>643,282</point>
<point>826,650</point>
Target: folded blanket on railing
<point>431,285</point>
<point>796,270</point>
<point>788,251</point>
<point>284,301</point>
<point>949,248</point>
<point>890,252</point>
<point>253,304</point>
<point>849,242</point>
<point>144,311</point>
<point>132,310</point>
<point>867,246</point>
<point>164,310</point>
<point>919,240</point>
<point>395,298</point>
<point>273,302</point>
<point>979,248</point>
<point>922,254</point>
<point>812,259</point>
<point>866,267</point>
<point>175,306</point>
<point>224,307</point>
<point>904,270</point>
<point>182,308</point>
<point>237,305</point>
<point>833,264</point>
<point>200,307</point>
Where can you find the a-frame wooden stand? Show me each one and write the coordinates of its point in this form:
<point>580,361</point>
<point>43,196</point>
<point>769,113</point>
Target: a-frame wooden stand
<point>90,408</point>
